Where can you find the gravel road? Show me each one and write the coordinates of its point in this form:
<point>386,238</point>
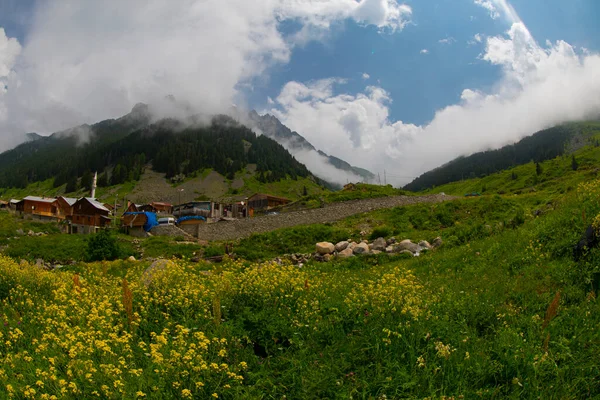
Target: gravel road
<point>231,230</point>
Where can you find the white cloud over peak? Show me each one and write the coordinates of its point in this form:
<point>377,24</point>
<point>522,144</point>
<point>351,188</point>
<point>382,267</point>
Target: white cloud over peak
<point>87,61</point>
<point>541,87</point>
<point>366,76</point>
<point>424,51</point>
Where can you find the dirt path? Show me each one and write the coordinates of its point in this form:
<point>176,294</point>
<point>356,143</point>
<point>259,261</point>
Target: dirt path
<point>334,212</point>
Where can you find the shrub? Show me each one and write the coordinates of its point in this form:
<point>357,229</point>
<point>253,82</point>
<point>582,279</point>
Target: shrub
<point>102,246</point>
<point>382,231</point>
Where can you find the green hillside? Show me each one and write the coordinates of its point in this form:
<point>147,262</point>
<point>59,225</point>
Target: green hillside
<point>541,146</point>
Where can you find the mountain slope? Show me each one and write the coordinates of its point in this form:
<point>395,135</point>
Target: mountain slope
<point>299,146</point>
<point>541,146</point>
<point>120,149</point>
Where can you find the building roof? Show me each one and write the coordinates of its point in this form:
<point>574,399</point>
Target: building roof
<point>14,201</point>
<point>69,200</point>
<point>268,196</point>
<point>40,199</point>
<point>97,204</point>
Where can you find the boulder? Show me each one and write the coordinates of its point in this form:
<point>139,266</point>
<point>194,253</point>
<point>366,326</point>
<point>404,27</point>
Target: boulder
<point>352,245</point>
<point>341,246</point>
<point>327,257</point>
<point>379,244</point>
<point>365,241</point>
<point>325,248</point>
<point>389,249</point>
<point>345,253</point>
<point>361,248</point>
<point>156,267</point>
<point>407,245</point>
<point>391,241</point>
<point>30,233</point>
<point>20,232</point>
<point>424,244</point>
<point>375,251</point>
<point>131,258</point>
<point>437,242</point>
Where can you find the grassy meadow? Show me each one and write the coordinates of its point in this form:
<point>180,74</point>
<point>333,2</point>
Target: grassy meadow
<point>502,310</point>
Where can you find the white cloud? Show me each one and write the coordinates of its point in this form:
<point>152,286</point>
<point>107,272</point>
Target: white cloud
<point>489,5</point>
<point>477,38</point>
<point>366,76</point>
<point>87,61</point>
<point>541,87</point>
<point>448,40</point>
<point>424,51</point>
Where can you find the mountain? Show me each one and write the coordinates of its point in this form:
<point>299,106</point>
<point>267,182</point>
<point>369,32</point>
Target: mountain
<point>540,146</point>
<point>271,127</point>
<point>119,149</point>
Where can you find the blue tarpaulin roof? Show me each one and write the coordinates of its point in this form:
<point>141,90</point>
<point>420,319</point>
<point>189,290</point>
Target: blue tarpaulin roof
<point>151,220</point>
<point>190,217</point>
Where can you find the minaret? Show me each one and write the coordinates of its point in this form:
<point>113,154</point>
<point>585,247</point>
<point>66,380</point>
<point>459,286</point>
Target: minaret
<point>94,185</point>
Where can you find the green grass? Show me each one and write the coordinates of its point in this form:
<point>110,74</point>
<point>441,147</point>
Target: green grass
<point>167,247</point>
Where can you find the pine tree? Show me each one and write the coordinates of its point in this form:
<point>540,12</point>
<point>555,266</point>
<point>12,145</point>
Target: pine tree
<point>574,164</point>
<point>538,168</point>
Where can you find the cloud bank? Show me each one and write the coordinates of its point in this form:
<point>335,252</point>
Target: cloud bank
<point>541,86</point>
<point>84,61</point>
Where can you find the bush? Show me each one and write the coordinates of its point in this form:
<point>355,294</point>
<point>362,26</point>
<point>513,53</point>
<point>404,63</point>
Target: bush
<point>382,231</point>
<point>102,246</point>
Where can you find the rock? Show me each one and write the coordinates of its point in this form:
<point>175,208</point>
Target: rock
<point>30,233</point>
<point>391,241</point>
<point>407,252</point>
<point>39,263</point>
<point>23,263</point>
<point>341,246</point>
<point>131,258</point>
<point>361,248</point>
<point>379,244</point>
<point>365,241</point>
<point>156,267</point>
<point>39,234</point>
<point>345,253</point>
<point>327,257</point>
<point>20,232</point>
<point>352,245</point>
<point>437,242</point>
<point>325,248</point>
<point>424,244</point>
<point>407,245</point>
<point>389,249</point>
<point>375,251</point>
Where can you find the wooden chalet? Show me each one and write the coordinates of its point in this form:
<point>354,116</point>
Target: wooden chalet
<point>89,216</point>
<point>158,207</point>
<point>132,207</point>
<point>43,208</point>
<point>64,206</point>
<point>3,205</point>
<point>262,202</point>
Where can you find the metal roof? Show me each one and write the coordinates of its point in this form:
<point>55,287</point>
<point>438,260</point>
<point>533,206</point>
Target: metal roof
<point>69,200</point>
<point>40,199</point>
<point>97,204</point>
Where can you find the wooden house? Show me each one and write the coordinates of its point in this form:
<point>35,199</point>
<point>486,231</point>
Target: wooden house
<point>132,207</point>
<point>3,205</point>
<point>89,216</point>
<point>64,206</point>
<point>158,208</point>
<point>208,209</point>
<point>262,202</point>
<point>34,207</point>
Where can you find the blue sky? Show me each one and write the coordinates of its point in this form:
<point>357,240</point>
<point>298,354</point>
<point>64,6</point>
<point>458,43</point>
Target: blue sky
<point>401,85</point>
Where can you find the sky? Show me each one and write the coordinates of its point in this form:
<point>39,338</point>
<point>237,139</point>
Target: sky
<point>396,86</point>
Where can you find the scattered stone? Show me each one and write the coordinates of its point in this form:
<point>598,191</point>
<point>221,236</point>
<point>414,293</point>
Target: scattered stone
<point>389,249</point>
<point>361,248</point>
<point>341,246</point>
<point>424,244</point>
<point>407,252</point>
<point>30,233</point>
<point>157,266</point>
<point>391,241</point>
<point>327,257</point>
<point>352,245</point>
<point>39,234</point>
<point>375,251</point>
<point>131,258</point>
<point>325,248</point>
<point>20,232</point>
<point>379,244</point>
<point>407,245</point>
<point>345,253</point>
<point>364,241</point>
<point>23,263</point>
<point>437,242</point>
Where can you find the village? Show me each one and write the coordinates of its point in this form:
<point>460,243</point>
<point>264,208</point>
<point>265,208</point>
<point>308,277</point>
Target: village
<point>88,215</point>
